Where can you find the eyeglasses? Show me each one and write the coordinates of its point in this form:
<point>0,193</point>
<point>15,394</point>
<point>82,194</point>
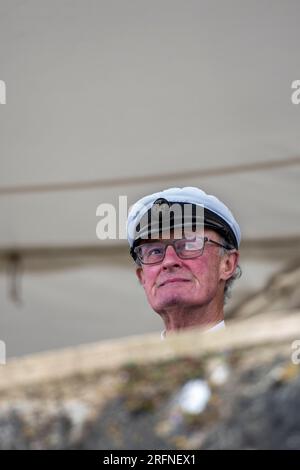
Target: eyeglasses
<point>185,248</point>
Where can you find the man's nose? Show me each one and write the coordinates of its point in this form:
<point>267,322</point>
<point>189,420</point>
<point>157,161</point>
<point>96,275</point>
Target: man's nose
<point>171,259</point>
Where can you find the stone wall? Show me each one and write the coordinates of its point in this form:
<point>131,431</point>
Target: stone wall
<point>237,388</point>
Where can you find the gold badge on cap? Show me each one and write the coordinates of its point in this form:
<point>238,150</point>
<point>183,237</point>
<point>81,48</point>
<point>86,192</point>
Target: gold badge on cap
<point>160,206</point>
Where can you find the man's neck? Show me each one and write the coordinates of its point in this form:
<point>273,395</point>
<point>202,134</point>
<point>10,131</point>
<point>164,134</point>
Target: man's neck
<point>177,318</point>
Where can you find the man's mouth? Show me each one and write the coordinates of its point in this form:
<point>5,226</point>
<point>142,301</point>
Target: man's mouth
<point>173,280</point>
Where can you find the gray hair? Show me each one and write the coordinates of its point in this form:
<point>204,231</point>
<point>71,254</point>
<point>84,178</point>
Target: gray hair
<point>236,275</point>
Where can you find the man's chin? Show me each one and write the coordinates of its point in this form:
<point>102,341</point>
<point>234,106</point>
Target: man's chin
<point>170,301</point>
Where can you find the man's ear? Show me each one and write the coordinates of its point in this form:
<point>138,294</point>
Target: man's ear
<point>229,264</point>
<point>140,274</point>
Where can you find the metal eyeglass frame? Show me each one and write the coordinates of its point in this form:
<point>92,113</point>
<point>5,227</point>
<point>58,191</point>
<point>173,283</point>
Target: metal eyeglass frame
<point>174,244</point>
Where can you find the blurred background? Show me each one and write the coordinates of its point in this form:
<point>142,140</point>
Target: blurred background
<point>125,98</point>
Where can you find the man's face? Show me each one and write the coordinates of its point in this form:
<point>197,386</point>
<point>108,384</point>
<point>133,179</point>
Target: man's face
<point>187,282</point>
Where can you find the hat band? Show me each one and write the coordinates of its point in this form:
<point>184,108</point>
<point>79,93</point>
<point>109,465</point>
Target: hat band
<point>155,222</point>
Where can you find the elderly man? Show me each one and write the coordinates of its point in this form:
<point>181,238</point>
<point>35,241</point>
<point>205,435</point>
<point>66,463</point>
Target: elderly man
<point>185,245</point>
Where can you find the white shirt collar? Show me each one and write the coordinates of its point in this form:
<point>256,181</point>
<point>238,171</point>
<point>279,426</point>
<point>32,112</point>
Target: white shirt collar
<point>218,326</point>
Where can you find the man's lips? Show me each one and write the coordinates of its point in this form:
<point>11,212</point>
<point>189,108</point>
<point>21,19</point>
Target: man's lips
<point>173,279</point>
